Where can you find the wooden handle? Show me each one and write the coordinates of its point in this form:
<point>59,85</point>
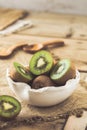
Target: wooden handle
<point>54,43</point>
<point>30,48</point>
<point>16,46</point>
<point>7,52</point>
<point>36,47</point>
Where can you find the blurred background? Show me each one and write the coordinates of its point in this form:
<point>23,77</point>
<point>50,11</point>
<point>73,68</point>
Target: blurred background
<point>57,6</point>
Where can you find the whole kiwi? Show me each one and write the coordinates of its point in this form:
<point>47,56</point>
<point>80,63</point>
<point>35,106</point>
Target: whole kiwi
<point>42,81</point>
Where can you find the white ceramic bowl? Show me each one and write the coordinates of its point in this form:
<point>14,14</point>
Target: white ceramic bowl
<point>46,96</point>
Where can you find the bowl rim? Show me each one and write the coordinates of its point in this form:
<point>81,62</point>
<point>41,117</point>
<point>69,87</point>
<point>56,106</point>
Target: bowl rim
<point>52,88</point>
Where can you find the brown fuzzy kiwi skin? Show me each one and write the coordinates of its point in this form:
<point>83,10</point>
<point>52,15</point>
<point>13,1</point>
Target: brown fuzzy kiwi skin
<point>42,81</point>
<point>15,76</point>
<point>9,118</point>
<point>70,74</point>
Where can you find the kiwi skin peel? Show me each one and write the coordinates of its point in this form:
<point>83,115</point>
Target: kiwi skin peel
<point>42,81</point>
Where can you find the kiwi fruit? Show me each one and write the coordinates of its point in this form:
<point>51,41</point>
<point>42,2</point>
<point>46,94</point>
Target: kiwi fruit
<point>42,81</point>
<point>63,71</point>
<point>19,73</point>
<point>41,62</point>
<point>10,107</point>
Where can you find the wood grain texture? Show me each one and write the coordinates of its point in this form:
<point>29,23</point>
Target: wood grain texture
<point>77,101</point>
<point>55,117</point>
<point>57,25</point>
<point>9,16</point>
<point>74,49</point>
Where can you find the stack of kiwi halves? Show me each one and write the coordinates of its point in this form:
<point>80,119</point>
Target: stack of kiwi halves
<point>42,71</point>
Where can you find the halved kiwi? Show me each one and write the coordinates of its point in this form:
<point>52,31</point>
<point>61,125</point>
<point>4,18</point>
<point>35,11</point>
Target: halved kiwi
<point>42,81</point>
<point>41,62</point>
<point>63,71</point>
<point>9,107</point>
<point>19,73</point>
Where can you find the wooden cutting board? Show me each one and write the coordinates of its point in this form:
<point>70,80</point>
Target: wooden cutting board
<point>9,16</point>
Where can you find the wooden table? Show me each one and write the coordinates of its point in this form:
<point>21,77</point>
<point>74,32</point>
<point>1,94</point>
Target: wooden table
<point>48,26</point>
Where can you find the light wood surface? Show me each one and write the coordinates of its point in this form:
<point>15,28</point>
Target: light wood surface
<point>46,27</point>
<point>58,25</point>
<point>9,16</point>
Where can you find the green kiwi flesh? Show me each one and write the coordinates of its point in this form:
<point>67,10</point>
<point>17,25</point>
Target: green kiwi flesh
<point>10,107</point>
<point>42,81</point>
<point>21,73</point>
<point>41,62</point>
<point>63,71</point>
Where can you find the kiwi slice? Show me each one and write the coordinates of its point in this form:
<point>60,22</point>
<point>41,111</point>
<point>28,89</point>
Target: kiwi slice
<point>9,107</point>
<point>42,81</point>
<point>41,62</point>
<point>63,71</point>
<point>19,73</point>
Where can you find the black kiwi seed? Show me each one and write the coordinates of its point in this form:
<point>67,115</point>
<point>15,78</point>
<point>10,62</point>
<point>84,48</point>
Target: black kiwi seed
<point>63,71</point>
<point>41,62</point>
<point>42,81</point>
<point>19,73</point>
<point>9,107</point>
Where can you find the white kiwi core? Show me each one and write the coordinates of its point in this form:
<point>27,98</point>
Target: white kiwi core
<point>40,62</point>
<point>7,106</point>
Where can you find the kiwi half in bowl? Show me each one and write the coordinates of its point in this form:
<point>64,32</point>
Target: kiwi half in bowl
<point>19,73</point>
<point>41,62</point>
<point>63,71</point>
<point>9,107</point>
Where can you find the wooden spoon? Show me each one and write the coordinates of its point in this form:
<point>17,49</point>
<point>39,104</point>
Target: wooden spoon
<point>36,47</point>
<point>7,52</point>
<point>29,48</point>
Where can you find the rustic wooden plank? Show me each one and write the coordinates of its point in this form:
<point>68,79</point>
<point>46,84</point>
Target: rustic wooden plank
<point>76,101</point>
<point>57,25</point>
<point>9,16</point>
<point>76,50</point>
<point>48,27</point>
